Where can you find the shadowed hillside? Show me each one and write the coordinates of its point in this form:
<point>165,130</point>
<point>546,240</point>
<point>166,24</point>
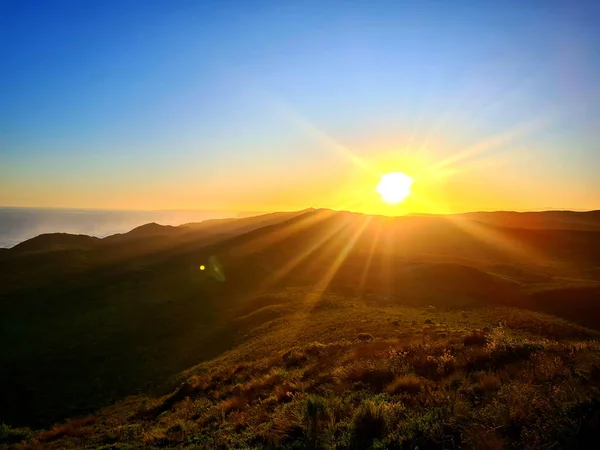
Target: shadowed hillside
<point>539,220</point>
<point>56,241</point>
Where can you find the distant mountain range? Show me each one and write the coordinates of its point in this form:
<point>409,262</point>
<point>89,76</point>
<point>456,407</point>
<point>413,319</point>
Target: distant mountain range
<point>20,224</point>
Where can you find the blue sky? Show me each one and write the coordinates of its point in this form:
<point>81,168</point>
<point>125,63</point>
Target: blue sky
<point>180,104</point>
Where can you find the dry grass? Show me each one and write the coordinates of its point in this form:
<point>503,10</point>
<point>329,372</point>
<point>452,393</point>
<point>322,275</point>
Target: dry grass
<point>489,382</point>
<point>410,384</point>
<point>476,338</point>
<point>73,428</point>
<point>235,403</point>
<point>294,358</point>
<point>480,438</point>
<point>155,436</point>
<point>375,376</point>
<point>423,364</point>
<point>318,386</point>
<point>260,386</point>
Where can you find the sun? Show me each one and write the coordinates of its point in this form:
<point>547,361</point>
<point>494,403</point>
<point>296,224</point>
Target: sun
<point>394,187</point>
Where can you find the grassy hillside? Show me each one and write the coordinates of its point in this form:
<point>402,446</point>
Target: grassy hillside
<point>292,311</point>
<point>319,370</point>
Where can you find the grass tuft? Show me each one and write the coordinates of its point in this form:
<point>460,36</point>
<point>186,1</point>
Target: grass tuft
<point>410,384</point>
<point>73,428</point>
<point>368,422</point>
<point>317,412</point>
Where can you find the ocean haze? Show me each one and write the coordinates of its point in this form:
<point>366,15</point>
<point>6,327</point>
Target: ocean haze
<point>20,224</point>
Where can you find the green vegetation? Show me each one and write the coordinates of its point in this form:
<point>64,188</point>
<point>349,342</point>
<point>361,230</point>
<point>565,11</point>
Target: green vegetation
<point>10,435</point>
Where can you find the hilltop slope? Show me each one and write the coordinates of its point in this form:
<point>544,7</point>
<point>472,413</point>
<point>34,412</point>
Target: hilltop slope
<point>130,313</point>
<point>321,370</point>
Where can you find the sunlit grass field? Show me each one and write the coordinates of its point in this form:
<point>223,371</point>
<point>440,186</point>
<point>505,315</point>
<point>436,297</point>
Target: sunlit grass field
<point>320,370</point>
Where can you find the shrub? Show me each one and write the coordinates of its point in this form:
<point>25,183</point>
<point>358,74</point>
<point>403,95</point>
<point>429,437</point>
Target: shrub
<point>405,383</point>
<point>368,422</point>
<point>154,436</point>
<point>376,377</point>
<point>424,365</point>
<point>423,430</point>
<point>364,337</point>
<point>396,361</point>
<point>9,435</point>
<point>316,349</point>
<point>446,363</point>
<point>478,359</point>
<point>285,392</point>
<point>484,439</point>
<point>235,403</point>
<point>475,339</point>
<point>178,426</point>
<point>489,382</point>
<point>316,409</point>
<point>316,412</point>
<point>548,368</point>
<point>237,389</point>
<point>512,353</point>
<point>293,358</point>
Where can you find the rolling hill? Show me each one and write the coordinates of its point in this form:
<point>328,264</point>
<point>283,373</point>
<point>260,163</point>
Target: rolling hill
<point>289,300</point>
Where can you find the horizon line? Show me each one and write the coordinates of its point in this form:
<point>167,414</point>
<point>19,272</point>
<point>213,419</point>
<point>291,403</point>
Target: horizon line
<point>239,211</point>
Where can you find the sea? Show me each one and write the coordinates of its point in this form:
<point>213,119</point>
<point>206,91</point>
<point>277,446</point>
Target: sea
<point>20,224</point>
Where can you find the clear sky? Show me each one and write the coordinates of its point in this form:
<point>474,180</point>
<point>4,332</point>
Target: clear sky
<point>278,105</point>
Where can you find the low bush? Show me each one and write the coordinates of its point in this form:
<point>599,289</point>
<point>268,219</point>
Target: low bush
<point>475,338</point>
<point>235,403</point>
<point>316,411</point>
<point>364,337</point>
<point>423,364</point>
<point>10,435</point>
<point>375,377</point>
<point>405,384</point>
<point>368,422</point>
<point>489,382</point>
<point>293,358</point>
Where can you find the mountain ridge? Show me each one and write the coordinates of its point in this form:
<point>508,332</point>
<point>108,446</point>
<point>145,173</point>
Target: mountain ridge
<point>498,218</point>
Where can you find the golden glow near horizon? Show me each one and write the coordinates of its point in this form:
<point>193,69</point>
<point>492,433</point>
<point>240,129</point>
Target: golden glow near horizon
<point>449,175</point>
<point>394,187</point>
